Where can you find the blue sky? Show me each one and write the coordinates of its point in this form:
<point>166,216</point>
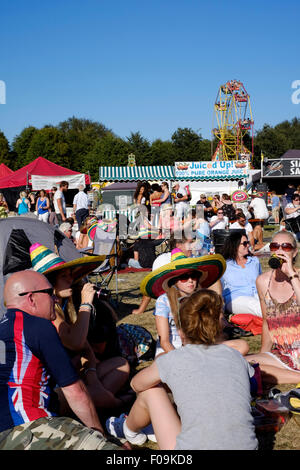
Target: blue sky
<point>149,66</point>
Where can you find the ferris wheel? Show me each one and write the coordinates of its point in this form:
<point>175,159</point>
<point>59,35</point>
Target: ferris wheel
<point>234,120</point>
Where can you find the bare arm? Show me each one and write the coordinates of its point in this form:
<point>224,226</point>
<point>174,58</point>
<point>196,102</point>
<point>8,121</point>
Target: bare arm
<point>74,336</point>
<point>266,341</point>
<point>163,331</point>
<point>60,208</point>
<point>81,404</point>
<point>146,378</point>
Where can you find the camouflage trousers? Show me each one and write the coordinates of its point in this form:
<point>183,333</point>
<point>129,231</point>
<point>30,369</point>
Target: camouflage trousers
<point>54,433</point>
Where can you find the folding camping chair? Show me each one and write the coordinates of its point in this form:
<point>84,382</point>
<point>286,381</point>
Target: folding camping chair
<point>105,243</point>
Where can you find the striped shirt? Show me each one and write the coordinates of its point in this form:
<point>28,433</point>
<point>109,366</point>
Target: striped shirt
<point>31,364</point>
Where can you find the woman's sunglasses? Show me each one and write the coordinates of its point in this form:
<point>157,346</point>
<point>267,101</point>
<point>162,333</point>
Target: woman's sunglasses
<point>285,246</point>
<point>245,244</point>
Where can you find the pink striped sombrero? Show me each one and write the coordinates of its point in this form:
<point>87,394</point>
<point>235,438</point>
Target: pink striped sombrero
<point>46,262</point>
<point>211,268</point>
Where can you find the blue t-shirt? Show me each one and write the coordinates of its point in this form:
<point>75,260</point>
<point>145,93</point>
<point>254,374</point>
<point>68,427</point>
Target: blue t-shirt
<point>35,361</point>
<point>163,309</point>
<point>275,201</point>
<point>238,281</point>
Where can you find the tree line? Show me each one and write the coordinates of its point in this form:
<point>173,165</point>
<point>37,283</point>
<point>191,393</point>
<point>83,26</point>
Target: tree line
<point>84,145</point>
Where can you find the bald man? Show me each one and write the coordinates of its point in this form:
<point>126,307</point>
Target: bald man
<point>36,361</point>
<point>81,205</point>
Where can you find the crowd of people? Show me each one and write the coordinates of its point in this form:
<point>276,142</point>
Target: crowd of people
<point>65,384</point>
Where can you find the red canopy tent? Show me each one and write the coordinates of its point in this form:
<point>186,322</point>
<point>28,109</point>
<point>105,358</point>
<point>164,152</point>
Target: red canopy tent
<point>41,167</point>
<point>4,170</point>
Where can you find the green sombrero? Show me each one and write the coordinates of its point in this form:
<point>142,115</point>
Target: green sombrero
<point>211,267</point>
<point>46,262</point>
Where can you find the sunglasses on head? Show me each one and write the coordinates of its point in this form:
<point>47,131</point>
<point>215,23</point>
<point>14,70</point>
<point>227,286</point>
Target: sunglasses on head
<point>285,246</point>
<point>245,243</point>
<point>49,291</point>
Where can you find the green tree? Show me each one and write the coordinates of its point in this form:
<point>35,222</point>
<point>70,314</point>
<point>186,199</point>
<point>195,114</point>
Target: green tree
<point>108,151</point>
<point>190,146</point>
<point>162,153</point>
<point>81,136</point>
<point>49,143</point>
<point>20,146</point>
<point>140,147</point>
<point>4,150</point>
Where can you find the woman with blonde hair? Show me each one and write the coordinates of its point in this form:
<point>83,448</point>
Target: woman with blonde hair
<point>201,376</point>
<point>279,293</point>
<point>23,204</point>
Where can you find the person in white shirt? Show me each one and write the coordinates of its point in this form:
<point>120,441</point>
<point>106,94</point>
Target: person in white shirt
<point>60,202</point>
<point>81,205</point>
<point>181,201</point>
<point>242,223</point>
<point>260,211</point>
<point>219,221</point>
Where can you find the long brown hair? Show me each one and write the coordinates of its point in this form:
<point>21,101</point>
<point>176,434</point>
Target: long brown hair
<point>199,317</point>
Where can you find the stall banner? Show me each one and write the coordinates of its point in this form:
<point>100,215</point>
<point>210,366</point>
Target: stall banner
<point>39,182</point>
<point>281,167</point>
<point>225,169</point>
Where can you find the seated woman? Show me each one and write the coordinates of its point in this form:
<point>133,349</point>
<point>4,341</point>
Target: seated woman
<point>292,215</point>
<point>239,280</point>
<point>201,376</point>
<point>175,281</point>
<point>279,293</point>
<point>104,378</point>
<point>82,239</point>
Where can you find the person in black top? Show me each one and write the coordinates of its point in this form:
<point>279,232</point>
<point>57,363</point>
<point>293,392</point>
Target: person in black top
<point>207,207</point>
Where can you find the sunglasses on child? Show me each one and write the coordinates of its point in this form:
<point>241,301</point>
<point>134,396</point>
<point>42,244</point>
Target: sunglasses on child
<point>285,246</point>
<point>194,276</point>
<point>245,243</point>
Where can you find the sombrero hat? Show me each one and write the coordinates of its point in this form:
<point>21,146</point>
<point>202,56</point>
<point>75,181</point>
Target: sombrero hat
<point>257,194</point>
<point>108,226</point>
<point>46,262</point>
<point>211,268</point>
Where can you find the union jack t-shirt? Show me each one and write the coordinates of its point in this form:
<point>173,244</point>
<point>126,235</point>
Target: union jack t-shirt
<point>32,361</point>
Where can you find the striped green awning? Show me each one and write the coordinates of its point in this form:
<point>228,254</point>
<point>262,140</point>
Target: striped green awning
<point>136,173</point>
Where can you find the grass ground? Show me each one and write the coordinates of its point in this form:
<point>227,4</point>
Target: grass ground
<point>288,438</point>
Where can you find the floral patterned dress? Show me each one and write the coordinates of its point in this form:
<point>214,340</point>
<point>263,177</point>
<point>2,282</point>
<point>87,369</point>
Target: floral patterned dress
<point>283,321</point>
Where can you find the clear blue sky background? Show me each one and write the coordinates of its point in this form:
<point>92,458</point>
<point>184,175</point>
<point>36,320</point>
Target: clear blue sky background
<point>145,65</point>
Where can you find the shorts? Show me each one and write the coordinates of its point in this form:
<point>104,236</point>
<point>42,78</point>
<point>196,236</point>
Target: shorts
<point>275,212</point>
<point>54,433</point>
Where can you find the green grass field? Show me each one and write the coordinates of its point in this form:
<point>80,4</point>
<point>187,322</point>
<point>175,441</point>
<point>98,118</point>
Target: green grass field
<point>288,438</point>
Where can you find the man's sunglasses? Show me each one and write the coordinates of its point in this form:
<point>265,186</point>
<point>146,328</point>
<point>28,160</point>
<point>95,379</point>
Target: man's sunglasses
<point>245,244</point>
<point>49,291</point>
<point>285,246</point>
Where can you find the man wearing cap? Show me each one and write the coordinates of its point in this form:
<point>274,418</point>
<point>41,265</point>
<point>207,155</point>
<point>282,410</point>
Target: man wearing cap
<point>207,208</point>
<point>81,205</point>
<point>35,361</point>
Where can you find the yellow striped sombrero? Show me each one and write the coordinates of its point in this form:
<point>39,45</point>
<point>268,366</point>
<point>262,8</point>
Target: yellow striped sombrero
<point>46,262</point>
<point>211,267</point>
